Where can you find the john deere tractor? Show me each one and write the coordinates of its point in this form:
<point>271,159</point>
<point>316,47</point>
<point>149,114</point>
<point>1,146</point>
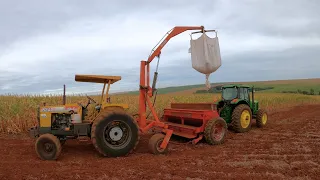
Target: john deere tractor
<point>238,108</point>
<point>112,130</point>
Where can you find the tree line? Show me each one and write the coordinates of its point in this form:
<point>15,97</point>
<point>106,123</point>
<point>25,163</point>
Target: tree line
<point>310,92</point>
<point>218,89</point>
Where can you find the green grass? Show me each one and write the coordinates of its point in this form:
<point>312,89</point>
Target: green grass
<point>278,86</point>
<point>172,89</point>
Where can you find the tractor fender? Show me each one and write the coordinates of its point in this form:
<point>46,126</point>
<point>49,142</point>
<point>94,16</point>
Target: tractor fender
<point>110,107</point>
<point>239,101</point>
<point>124,106</point>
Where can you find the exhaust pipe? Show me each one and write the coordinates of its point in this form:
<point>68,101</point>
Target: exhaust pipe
<point>64,95</point>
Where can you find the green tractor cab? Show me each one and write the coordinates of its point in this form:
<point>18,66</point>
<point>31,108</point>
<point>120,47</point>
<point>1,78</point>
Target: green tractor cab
<point>238,108</point>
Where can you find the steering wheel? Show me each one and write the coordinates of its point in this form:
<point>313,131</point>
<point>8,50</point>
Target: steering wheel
<point>81,105</point>
<point>88,102</point>
<point>91,99</point>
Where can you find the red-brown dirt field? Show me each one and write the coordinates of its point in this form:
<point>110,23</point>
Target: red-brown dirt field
<point>288,148</point>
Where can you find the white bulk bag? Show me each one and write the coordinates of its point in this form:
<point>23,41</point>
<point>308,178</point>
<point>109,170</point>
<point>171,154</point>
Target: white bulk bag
<point>205,55</point>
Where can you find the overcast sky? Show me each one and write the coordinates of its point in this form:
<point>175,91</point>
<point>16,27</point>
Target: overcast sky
<point>43,44</point>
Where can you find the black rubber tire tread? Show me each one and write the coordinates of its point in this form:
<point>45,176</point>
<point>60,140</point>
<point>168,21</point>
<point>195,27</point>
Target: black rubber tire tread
<point>208,131</point>
<point>236,116</point>
<point>53,139</point>
<point>109,111</point>
<point>153,141</point>
<point>260,113</point>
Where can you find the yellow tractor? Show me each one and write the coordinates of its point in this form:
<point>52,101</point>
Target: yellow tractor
<point>112,130</point>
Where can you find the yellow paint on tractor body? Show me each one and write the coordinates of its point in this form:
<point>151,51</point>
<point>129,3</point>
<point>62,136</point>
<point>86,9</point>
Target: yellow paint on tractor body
<point>46,112</point>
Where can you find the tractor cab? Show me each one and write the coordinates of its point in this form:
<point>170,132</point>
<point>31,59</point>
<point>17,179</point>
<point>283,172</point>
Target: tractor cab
<point>236,92</point>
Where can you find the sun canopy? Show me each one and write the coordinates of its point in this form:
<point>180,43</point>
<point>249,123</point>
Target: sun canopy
<point>97,78</point>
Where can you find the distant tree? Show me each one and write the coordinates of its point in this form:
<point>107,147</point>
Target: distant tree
<point>311,92</point>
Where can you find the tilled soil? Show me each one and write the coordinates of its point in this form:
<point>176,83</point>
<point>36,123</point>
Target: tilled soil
<point>288,148</point>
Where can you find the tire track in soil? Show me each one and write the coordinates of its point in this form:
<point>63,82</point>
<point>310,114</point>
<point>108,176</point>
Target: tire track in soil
<point>287,148</point>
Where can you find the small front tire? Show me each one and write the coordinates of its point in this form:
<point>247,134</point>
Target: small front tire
<point>48,147</point>
<point>262,118</point>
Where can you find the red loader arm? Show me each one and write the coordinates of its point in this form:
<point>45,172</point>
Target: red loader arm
<point>170,34</point>
<point>145,89</point>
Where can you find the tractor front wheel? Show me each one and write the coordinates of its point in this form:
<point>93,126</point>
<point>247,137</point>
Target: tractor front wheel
<point>215,131</point>
<point>241,118</point>
<point>262,117</point>
<point>115,133</point>
<point>155,143</point>
<point>48,147</point>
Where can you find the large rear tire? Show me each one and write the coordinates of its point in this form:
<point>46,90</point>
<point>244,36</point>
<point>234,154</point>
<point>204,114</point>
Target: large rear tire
<point>48,147</point>
<point>115,133</point>
<point>262,118</point>
<point>241,118</point>
<point>215,131</point>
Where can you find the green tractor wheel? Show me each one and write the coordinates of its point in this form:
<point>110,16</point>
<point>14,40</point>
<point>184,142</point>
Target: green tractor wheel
<point>262,117</point>
<point>241,118</point>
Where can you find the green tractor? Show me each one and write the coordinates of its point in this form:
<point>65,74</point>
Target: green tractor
<point>238,109</point>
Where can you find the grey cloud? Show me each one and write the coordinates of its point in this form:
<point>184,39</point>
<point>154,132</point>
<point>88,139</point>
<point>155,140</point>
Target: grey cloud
<point>287,64</point>
<point>244,67</point>
<point>274,19</point>
<point>286,18</point>
<point>28,18</point>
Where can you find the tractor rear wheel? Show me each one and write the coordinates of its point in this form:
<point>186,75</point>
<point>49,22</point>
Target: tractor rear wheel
<point>241,118</point>
<point>262,117</point>
<point>48,147</point>
<point>215,131</point>
<point>155,142</point>
<point>115,133</point>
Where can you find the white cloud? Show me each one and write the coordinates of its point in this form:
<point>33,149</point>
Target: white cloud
<point>106,35</point>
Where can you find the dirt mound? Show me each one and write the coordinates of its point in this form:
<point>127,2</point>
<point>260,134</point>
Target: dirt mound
<point>288,147</point>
